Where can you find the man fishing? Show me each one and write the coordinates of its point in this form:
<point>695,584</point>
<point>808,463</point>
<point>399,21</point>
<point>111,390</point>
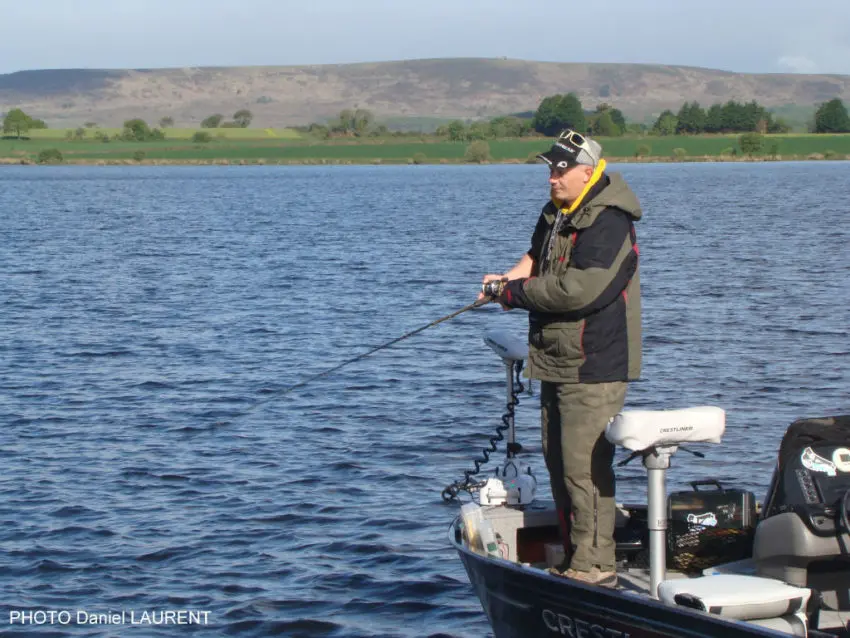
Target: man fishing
<point>579,283</point>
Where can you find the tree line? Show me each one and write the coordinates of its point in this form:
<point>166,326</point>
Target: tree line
<point>731,117</point>
<point>18,123</point>
<point>557,112</point>
<point>554,113</point>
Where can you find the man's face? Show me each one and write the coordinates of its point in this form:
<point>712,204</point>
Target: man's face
<point>566,184</point>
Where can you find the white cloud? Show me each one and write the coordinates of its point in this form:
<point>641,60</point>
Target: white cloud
<point>797,64</point>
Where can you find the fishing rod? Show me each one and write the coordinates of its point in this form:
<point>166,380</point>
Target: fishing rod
<point>489,296</point>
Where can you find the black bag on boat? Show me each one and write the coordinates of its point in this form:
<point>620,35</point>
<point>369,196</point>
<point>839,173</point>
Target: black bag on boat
<point>709,527</point>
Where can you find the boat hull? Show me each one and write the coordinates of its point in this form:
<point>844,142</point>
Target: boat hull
<point>528,603</point>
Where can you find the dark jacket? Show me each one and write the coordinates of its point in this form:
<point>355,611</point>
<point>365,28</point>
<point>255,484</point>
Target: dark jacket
<point>584,295</point>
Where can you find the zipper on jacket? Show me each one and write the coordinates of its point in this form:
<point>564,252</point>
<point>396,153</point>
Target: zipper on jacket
<point>595,517</point>
<point>548,257</point>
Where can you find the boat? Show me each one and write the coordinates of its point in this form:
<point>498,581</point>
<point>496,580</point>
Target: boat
<point>779,567</point>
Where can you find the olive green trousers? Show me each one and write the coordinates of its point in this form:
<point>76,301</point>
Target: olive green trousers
<point>580,463</point>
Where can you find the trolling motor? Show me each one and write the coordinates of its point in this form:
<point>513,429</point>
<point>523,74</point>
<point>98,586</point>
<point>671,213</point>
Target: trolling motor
<point>513,482</point>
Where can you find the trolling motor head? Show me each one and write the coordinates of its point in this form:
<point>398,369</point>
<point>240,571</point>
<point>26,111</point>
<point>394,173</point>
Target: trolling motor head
<point>508,347</point>
<point>514,484</point>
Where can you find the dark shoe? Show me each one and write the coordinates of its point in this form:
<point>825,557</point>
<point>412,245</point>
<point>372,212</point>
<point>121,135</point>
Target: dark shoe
<point>593,577</point>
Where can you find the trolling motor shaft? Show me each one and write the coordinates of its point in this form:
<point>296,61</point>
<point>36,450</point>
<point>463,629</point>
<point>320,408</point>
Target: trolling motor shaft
<point>513,352</point>
<point>512,483</point>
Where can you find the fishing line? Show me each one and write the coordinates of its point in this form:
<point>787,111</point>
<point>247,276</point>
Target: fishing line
<point>279,393</point>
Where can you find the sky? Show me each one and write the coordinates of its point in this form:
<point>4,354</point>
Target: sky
<point>754,36</point>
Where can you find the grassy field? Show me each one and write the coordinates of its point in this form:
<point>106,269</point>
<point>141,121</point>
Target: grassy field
<point>176,133</point>
<point>287,146</point>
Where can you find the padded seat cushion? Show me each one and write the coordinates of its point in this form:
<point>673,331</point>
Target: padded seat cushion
<point>735,596</point>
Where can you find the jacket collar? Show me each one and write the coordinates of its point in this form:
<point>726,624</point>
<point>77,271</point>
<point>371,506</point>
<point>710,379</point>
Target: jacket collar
<point>581,217</point>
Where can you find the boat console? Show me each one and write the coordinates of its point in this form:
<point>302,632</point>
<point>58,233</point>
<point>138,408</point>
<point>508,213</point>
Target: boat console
<point>804,535</point>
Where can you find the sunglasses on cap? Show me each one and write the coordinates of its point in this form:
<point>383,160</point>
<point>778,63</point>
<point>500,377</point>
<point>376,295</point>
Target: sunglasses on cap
<point>566,151</point>
<point>571,137</point>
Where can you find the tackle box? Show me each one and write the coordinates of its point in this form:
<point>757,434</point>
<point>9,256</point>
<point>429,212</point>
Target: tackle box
<point>709,525</point>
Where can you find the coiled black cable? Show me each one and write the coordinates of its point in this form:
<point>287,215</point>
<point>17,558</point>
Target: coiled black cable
<point>466,484</point>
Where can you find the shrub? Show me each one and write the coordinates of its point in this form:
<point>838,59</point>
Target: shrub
<point>136,130</point>
<point>202,137</point>
<point>532,157</point>
<point>830,154</point>
<point>751,143</point>
<point>679,154</point>
<point>643,150</point>
<point>477,152</point>
<point>729,150</point>
<point>139,156</point>
<point>212,121</point>
<point>50,156</point>
<point>419,158</point>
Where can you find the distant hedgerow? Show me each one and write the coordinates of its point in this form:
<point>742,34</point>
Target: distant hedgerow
<point>50,156</point>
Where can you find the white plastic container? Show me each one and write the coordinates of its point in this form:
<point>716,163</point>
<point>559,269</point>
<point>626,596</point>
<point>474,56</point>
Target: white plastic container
<point>478,531</point>
<point>471,515</point>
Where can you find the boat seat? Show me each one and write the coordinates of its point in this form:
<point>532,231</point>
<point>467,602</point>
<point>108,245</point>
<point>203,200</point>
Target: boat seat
<point>644,429</point>
<point>793,624</point>
<point>736,596</point>
<point>785,548</point>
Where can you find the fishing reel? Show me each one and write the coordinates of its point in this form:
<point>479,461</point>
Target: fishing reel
<point>494,288</point>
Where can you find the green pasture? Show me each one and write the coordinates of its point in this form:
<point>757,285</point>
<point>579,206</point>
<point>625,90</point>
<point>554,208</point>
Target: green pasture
<point>235,146</point>
<point>176,133</point>
<point>700,145</point>
<point>693,145</point>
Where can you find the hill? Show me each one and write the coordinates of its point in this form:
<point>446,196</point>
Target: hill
<point>437,89</point>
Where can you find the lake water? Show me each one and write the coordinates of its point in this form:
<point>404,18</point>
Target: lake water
<point>152,317</point>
